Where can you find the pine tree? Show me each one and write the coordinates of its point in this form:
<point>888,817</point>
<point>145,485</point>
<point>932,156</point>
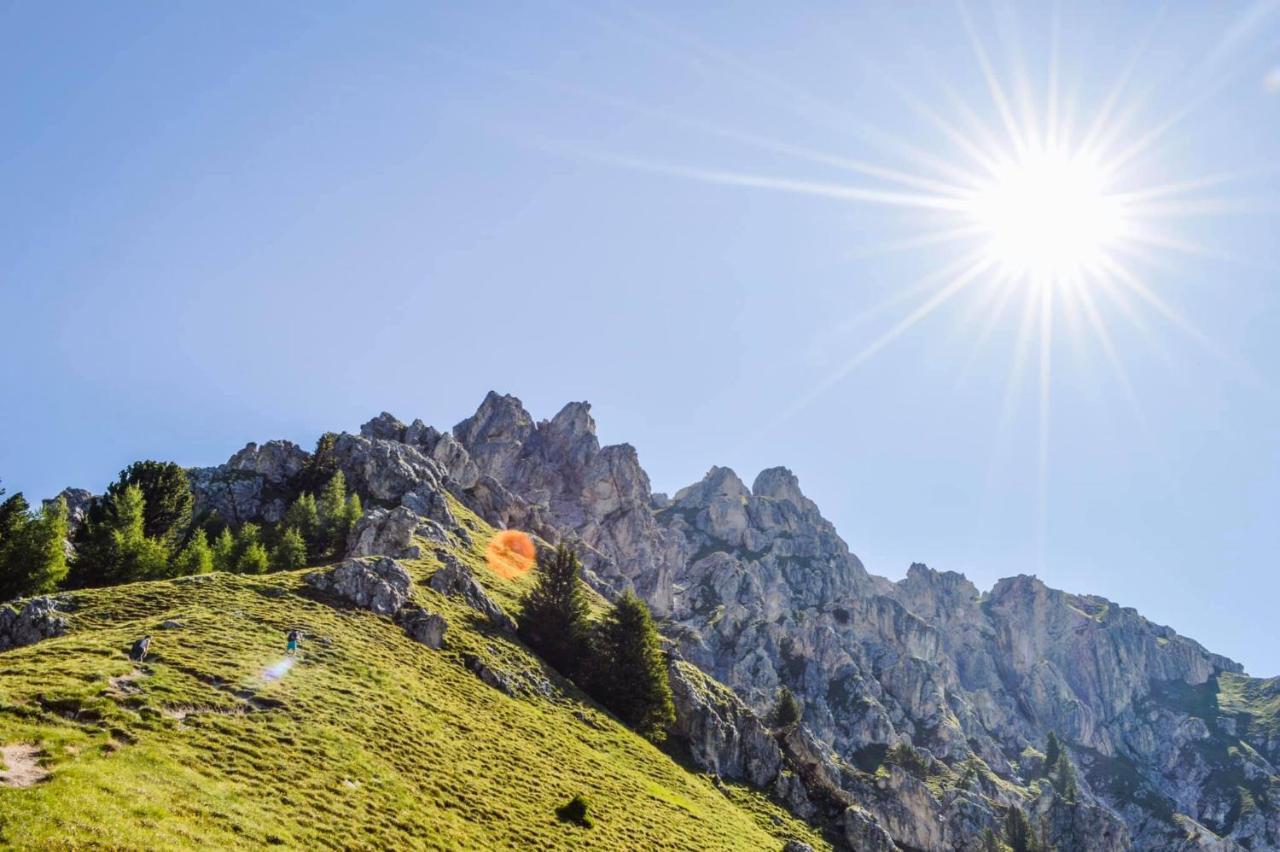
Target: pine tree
<point>786,710</point>
<point>322,464</point>
<point>46,538</point>
<point>1052,749</point>
<point>290,552</point>
<point>14,518</point>
<point>989,841</point>
<point>224,551</point>
<point>332,507</point>
<point>305,518</point>
<point>250,554</point>
<point>32,558</point>
<point>133,555</point>
<point>166,493</point>
<point>352,513</point>
<point>553,617</point>
<point>195,558</point>
<point>1064,777</point>
<point>629,672</point>
<point>1017,831</point>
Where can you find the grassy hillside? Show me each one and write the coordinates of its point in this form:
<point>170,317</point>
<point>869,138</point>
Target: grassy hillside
<point>371,740</point>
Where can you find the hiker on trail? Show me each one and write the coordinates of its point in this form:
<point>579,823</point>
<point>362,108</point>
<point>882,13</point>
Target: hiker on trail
<point>292,647</point>
<point>138,653</point>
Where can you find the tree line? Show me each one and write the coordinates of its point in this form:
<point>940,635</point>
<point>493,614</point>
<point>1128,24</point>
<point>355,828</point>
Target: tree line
<point>143,528</point>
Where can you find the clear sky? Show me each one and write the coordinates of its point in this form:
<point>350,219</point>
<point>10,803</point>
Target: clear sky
<point>233,222</point>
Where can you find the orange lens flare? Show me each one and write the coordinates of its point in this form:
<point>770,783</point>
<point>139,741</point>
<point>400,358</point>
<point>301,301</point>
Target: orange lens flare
<point>510,554</point>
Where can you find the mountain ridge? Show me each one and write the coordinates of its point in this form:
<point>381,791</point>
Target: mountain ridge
<point>1175,747</point>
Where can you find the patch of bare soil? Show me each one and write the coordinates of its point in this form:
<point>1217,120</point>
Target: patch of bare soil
<point>22,769</point>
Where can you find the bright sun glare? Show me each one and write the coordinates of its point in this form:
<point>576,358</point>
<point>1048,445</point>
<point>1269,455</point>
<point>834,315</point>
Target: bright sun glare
<point>1048,217</point>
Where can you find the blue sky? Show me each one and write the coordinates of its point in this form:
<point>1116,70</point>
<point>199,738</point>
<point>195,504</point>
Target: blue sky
<point>225,223</point>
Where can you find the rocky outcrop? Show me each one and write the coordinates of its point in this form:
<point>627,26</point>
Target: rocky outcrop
<point>554,478</point>
<point>456,580</point>
<point>30,621</point>
<point>392,532</point>
<point>423,625</point>
<point>255,484</point>
<point>380,584</point>
<point>722,734</point>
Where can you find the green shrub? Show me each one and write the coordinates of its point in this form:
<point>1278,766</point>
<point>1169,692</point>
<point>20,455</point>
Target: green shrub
<point>575,811</point>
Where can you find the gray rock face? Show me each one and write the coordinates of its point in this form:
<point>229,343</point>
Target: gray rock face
<point>554,479</point>
<point>384,469</point>
<point>385,427</point>
<point>723,735</point>
<point>456,580</point>
<point>379,584</point>
<point>424,626</point>
<point>252,485</point>
<point>380,532</point>
<point>27,622</point>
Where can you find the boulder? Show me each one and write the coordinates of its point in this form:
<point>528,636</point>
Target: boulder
<point>424,626</point>
<point>382,532</point>
<point>379,584</point>
<point>25,623</point>
<point>456,580</point>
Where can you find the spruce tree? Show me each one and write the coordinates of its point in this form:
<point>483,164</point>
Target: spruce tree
<point>553,619</point>
<point>195,558</point>
<point>290,552</point>
<point>786,710</point>
<point>1064,777</point>
<point>1052,749</point>
<point>630,673</point>
<point>224,551</point>
<point>1017,831</point>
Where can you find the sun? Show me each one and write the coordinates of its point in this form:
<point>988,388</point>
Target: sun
<point>1048,216</point>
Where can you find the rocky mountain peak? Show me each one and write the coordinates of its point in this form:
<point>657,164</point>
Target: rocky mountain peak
<point>385,426</point>
<point>779,483</point>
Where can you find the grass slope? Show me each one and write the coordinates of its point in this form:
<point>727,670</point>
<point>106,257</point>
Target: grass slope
<point>371,740</point>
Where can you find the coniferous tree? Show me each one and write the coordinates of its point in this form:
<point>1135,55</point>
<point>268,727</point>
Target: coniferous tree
<point>1017,831</point>
<point>989,841</point>
<point>290,552</point>
<point>47,536</point>
<point>132,555</point>
<point>1052,749</point>
<point>332,507</point>
<point>786,710</point>
<point>195,558</point>
<point>1064,777</point>
<point>224,551</point>
<point>629,671</point>
<point>553,618</point>
<point>33,560</point>
<point>322,465</point>
<point>166,494</point>
<point>250,554</point>
<point>351,516</point>
<point>304,517</point>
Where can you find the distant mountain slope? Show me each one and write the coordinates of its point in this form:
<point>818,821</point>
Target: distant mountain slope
<point>370,741</point>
